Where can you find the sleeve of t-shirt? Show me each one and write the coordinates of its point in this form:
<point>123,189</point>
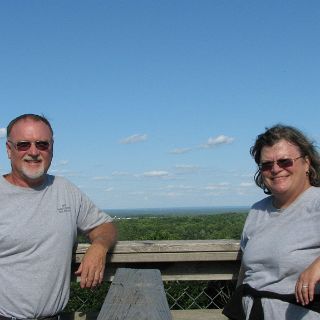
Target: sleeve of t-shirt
<point>244,236</point>
<point>89,215</point>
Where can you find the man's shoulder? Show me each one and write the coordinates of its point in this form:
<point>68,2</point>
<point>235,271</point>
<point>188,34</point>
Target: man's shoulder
<point>59,181</point>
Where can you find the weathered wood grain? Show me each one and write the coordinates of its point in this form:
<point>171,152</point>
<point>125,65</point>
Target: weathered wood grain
<point>170,246</point>
<point>201,314</point>
<point>166,251</point>
<point>136,294</point>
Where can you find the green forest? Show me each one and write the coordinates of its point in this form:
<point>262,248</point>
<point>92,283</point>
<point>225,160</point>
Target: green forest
<point>203,227</point>
<point>216,226</point>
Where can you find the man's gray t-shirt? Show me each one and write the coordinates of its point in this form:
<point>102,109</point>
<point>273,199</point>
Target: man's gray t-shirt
<point>38,229</point>
<point>277,246</point>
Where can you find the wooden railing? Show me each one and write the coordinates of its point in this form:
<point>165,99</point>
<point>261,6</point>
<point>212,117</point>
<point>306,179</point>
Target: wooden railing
<point>176,259</point>
<point>181,260</point>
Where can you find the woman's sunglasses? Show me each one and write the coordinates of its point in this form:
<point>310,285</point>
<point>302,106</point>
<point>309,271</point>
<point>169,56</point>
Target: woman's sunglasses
<point>282,163</point>
<point>26,145</point>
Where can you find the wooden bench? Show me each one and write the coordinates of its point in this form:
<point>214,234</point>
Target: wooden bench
<point>136,294</point>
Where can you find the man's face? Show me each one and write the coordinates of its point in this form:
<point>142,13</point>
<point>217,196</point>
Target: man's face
<point>29,164</point>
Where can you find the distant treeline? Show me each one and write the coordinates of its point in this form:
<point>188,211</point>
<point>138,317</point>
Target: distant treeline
<point>202,227</point>
<point>217,226</point>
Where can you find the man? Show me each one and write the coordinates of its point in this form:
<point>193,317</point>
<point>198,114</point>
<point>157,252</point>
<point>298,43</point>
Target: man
<point>39,218</point>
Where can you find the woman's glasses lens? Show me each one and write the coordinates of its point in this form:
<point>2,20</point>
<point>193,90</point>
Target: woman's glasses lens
<point>282,163</point>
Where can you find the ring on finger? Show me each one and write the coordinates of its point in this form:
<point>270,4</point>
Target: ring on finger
<point>305,286</point>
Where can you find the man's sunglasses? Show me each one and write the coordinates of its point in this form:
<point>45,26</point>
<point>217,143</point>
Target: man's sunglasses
<point>282,163</point>
<point>26,145</point>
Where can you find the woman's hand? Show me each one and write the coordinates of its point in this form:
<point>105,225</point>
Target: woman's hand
<point>307,281</point>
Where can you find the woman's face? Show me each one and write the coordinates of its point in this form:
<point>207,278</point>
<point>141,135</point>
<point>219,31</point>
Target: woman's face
<point>285,179</point>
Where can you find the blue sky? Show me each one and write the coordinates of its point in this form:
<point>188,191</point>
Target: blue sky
<point>156,103</point>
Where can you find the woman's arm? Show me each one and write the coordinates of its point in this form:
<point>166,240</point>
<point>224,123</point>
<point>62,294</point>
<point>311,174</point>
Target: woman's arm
<point>240,275</point>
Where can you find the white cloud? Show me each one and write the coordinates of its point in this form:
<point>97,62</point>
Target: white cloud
<point>218,186</point>
<point>65,172</point>
<point>3,132</point>
<point>100,178</point>
<point>157,174</point>
<point>62,163</point>
<point>109,189</point>
<point>134,139</point>
<point>186,168</point>
<point>214,141</point>
<point>173,194</point>
<point>180,150</point>
<point>247,184</point>
<point>246,175</point>
<point>137,193</point>
<point>179,187</point>
<point>119,173</point>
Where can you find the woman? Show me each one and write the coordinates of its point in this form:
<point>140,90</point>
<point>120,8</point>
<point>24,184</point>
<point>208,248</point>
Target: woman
<point>281,236</point>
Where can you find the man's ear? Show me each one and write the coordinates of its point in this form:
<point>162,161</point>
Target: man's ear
<point>8,149</point>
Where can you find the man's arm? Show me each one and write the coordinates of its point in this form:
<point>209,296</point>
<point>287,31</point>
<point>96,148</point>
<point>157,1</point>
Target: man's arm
<point>91,269</point>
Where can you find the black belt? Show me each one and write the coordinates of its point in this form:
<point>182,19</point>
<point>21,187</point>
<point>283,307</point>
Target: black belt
<point>234,310</point>
<point>56,317</point>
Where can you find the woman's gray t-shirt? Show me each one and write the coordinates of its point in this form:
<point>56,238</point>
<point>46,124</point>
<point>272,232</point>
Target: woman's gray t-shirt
<point>277,246</point>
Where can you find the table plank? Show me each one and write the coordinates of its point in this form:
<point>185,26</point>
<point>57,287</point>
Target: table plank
<point>136,294</point>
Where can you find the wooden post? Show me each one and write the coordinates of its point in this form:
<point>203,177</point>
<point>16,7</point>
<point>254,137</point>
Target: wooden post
<point>136,294</point>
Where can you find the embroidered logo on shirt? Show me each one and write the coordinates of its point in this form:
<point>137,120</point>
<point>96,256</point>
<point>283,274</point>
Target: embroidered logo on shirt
<point>64,209</point>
